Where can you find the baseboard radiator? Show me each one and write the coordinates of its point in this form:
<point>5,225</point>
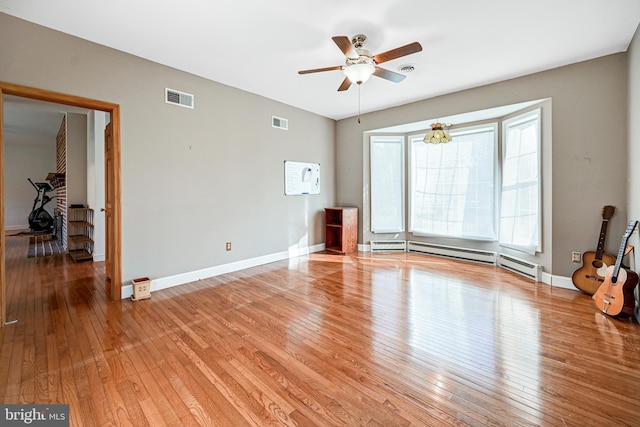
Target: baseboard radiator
<point>520,266</point>
<point>475,255</point>
<point>388,246</point>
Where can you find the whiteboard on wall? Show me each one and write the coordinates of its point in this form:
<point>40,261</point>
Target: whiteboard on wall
<point>301,178</point>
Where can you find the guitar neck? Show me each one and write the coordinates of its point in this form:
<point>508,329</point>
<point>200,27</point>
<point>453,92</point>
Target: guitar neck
<point>619,259</point>
<point>601,239</point>
<point>623,245</point>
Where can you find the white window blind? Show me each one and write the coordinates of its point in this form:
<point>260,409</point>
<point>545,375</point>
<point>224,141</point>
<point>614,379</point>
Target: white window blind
<point>520,201</point>
<point>452,191</point>
<point>387,184</point>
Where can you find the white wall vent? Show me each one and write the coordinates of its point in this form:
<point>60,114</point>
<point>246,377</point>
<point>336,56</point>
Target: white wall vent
<point>175,97</point>
<point>280,123</point>
<point>520,266</point>
<point>476,255</point>
<point>388,246</point>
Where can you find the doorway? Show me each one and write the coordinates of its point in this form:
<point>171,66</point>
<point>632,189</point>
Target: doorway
<point>112,174</point>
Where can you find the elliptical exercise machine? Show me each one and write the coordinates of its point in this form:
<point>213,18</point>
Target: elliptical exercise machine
<point>39,218</point>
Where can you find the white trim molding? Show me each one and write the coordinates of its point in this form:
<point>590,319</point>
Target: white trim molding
<point>205,273</point>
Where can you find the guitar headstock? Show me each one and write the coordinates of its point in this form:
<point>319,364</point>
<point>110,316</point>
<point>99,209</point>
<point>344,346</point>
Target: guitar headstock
<point>632,225</point>
<point>608,212</point>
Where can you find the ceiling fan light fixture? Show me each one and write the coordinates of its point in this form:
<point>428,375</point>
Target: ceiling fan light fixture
<point>437,134</point>
<point>359,73</point>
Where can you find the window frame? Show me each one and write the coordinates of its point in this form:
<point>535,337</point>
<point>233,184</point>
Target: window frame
<point>517,119</point>
<point>386,139</point>
<point>461,130</point>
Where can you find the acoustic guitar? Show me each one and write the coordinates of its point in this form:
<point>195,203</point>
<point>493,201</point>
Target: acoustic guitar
<point>615,296</point>
<point>590,276</point>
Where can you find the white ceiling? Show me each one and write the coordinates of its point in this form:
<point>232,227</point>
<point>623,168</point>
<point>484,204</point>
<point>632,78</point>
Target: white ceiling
<point>33,124</point>
<point>259,46</point>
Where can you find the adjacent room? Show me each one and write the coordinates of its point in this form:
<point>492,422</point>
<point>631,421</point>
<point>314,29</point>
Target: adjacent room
<point>345,213</point>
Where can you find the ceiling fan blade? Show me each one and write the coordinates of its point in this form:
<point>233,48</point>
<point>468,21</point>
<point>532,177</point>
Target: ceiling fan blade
<point>346,83</point>
<point>345,46</point>
<point>317,70</point>
<point>389,75</point>
<point>397,52</point>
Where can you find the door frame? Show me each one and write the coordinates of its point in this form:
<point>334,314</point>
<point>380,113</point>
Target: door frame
<point>114,286</point>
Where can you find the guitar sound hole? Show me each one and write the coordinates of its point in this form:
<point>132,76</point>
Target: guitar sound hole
<point>597,263</point>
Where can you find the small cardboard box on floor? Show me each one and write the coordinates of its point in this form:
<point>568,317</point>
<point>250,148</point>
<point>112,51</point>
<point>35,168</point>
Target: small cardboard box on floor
<point>141,288</point>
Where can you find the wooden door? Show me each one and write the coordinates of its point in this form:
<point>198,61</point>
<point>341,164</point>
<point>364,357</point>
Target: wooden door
<point>3,293</point>
<point>108,201</point>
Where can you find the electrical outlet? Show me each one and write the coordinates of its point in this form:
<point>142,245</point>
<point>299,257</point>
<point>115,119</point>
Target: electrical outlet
<point>228,247</point>
<point>575,256</point>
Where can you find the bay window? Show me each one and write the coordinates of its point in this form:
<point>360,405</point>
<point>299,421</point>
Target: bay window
<point>483,185</point>
<point>452,185</point>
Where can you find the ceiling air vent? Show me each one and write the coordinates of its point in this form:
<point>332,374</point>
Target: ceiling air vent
<point>178,98</point>
<point>280,123</point>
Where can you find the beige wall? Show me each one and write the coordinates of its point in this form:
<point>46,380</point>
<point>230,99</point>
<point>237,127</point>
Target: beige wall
<point>191,179</point>
<point>634,141</point>
<point>21,163</point>
<point>76,159</point>
<point>588,169</point>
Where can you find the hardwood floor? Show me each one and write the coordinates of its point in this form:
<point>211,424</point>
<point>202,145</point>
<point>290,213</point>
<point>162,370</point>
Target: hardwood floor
<point>323,340</point>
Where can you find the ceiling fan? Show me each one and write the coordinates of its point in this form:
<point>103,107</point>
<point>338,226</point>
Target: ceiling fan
<point>360,64</point>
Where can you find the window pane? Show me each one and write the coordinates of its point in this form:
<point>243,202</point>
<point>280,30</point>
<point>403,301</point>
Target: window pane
<point>520,199</point>
<point>387,184</point>
<point>452,185</point>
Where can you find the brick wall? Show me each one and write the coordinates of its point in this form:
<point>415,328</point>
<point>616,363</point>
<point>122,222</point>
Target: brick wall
<point>61,167</point>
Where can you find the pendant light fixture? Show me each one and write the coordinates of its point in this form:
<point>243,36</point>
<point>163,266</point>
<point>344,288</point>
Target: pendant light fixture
<point>438,134</point>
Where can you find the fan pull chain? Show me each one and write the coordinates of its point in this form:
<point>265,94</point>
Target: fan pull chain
<point>359,102</point>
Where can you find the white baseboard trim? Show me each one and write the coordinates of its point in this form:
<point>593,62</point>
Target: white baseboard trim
<point>563,282</point>
<point>293,252</point>
<point>99,257</point>
<point>205,273</point>
<point>546,278</point>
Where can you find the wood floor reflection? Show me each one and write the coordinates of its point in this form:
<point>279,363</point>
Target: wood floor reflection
<point>322,340</point>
